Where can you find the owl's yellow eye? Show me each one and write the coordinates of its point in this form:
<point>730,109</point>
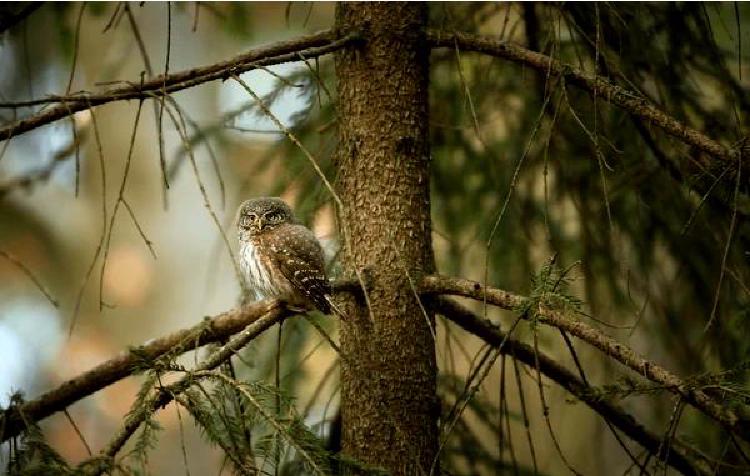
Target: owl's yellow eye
<point>273,217</point>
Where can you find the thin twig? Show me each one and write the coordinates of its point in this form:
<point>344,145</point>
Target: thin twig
<point>545,406</point>
<point>620,352</point>
<point>77,431</point>
<point>679,457</point>
<point>490,358</point>
<point>323,333</point>
<point>102,236</point>
<point>158,104</point>
<point>17,263</point>
<point>76,45</point>
<point>162,161</point>
<point>149,243</point>
<point>182,130</point>
<point>633,102</point>
<point>182,441</point>
<point>726,247</point>
<point>524,413</point>
<point>277,384</point>
<point>119,200</point>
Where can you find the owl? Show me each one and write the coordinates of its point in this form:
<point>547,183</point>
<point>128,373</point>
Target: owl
<point>279,257</point>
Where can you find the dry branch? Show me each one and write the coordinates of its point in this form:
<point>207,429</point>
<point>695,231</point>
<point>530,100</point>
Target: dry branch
<point>310,46</point>
<point>215,329</point>
<point>632,102</point>
<point>677,456</point>
<point>620,352</point>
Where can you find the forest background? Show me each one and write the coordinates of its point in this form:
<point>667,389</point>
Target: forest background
<point>540,185</point>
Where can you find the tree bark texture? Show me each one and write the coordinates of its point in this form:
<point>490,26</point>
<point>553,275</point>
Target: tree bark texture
<point>388,401</point>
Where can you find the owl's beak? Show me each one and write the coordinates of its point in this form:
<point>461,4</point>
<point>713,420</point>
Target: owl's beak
<point>258,223</point>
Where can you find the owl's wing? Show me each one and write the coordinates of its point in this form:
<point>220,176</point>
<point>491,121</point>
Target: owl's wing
<point>300,259</point>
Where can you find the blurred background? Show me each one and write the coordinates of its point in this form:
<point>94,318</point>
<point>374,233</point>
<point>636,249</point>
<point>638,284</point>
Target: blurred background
<point>656,245</point>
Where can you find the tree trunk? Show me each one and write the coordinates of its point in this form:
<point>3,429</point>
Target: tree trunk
<point>388,401</point>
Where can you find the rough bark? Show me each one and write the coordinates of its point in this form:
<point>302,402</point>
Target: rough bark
<point>388,402</point>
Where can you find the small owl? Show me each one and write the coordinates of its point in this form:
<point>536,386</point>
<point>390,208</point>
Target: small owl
<point>279,257</point>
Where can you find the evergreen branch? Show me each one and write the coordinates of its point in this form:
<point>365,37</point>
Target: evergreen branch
<point>275,311</point>
<point>285,433</point>
<point>132,361</point>
<point>620,352</point>
<point>677,457</point>
<point>632,102</point>
<point>311,46</point>
<point>243,464</point>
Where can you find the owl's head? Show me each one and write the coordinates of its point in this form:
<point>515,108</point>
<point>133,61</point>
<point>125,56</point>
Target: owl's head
<point>261,214</point>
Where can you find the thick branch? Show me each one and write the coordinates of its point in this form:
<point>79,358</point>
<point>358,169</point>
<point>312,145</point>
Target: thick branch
<point>620,352</point>
<point>632,102</point>
<point>10,20</point>
<point>676,455</point>
<point>310,46</point>
<point>216,329</point>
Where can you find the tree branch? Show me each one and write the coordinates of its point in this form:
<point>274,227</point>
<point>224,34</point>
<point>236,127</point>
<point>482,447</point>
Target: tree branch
<point>12,19</point>
<point>215,329</point>
<point>620,352</point>
<point>224,325</point>
<point>310,46</point>
<point>275,312</point>
<point>677,456</point>
<point>630,101</point>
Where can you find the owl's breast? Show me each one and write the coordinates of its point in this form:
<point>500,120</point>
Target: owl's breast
<point>259,272</point>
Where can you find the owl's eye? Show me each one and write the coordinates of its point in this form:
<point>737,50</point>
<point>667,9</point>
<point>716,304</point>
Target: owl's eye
<point>274,217</point>
<point>247,220</point>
